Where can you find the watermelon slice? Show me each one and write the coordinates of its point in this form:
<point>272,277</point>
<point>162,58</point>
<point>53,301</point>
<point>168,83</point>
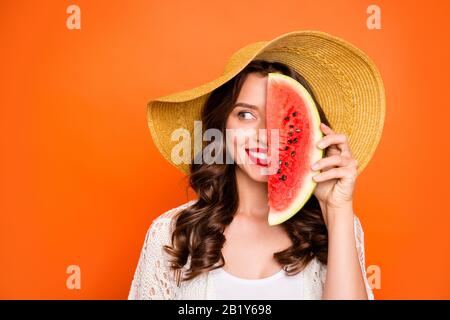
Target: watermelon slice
<point>290,109</point>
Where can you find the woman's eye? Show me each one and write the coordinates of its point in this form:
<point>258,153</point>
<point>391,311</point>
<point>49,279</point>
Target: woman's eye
<point>245,115</point>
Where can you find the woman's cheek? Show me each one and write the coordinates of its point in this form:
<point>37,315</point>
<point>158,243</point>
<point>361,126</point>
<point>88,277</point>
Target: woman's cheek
<point>239,142</point>
<point>231,141</point>
<point>230,147</point>
<point>234,144</point>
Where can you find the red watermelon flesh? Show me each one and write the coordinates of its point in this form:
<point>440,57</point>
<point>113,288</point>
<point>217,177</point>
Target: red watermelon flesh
<point>291,109</point>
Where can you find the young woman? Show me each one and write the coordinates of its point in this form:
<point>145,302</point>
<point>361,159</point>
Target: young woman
<point>220,245</point>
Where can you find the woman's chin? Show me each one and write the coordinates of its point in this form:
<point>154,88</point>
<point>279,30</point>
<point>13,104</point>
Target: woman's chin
<point>257,172</point>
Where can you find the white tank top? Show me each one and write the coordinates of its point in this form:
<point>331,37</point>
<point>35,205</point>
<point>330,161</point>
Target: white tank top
<point>279,286</point>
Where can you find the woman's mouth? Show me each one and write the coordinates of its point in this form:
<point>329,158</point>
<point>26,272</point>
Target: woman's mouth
<point>258,156</point>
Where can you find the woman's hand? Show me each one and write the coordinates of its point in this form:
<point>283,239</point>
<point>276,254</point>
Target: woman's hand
<point>336,182</point>
<point>334,190</point>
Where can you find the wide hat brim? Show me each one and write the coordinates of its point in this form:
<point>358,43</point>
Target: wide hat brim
<point>345,81</point>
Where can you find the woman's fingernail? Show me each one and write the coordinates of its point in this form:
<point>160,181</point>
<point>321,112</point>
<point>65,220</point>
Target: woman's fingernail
<point>321,144</point>
<point>315,166</point>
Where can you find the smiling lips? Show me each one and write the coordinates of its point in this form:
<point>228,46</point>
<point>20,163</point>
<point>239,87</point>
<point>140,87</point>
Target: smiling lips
<point>258,156</point>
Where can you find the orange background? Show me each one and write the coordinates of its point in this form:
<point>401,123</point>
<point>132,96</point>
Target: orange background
<point>81,179</point>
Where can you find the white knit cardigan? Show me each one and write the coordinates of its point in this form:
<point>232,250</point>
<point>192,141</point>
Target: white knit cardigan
<point>153,278</point>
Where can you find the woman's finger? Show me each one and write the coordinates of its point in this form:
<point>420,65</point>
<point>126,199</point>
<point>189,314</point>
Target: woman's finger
<point>336,173</point>
<point>334,160</point>
<point>326,129</point>
<point>338,139</point>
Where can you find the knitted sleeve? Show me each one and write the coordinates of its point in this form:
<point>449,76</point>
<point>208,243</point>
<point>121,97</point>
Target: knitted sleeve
<point>359,238</point>
<point>153,279</point>
<point>359,235</point>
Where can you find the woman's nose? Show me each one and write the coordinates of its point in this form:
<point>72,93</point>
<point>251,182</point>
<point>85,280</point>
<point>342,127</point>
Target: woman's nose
<point>261,132</point>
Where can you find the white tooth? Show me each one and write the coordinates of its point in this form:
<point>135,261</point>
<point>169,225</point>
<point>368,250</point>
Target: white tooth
<point>254,154</point>
<point>262,156</point>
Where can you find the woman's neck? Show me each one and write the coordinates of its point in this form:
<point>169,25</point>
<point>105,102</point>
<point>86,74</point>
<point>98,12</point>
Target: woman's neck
<point>252,197</point>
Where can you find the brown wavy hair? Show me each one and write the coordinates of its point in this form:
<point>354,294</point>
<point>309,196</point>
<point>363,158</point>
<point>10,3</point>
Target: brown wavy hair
<point>199,228</point>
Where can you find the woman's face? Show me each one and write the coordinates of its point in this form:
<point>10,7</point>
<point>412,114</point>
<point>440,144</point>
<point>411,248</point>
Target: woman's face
<point>245,121</point>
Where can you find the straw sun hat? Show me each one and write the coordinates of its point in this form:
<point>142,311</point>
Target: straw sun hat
<point>346,82</point>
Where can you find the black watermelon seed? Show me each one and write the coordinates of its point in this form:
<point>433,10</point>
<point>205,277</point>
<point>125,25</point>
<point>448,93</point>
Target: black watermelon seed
<point>294,114</point>
<point>286,148</point>
<point>289,141</point>
<point>290,133</point>
<point>291,126</point>
<point>286,163</point>
<point>286,118</point>
<point>279,171</point>
<point>283,177</point>
<point>280,161</point>
<point>292,153</point>
<point>295,140</point>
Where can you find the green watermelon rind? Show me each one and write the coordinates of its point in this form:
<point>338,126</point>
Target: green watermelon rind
<point>278,217</point>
